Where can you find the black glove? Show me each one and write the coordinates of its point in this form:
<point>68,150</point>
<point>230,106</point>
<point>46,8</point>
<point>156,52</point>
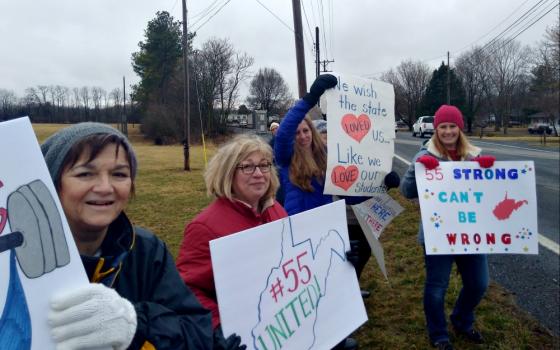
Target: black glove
<point>352,254</point>
<point>392,180</point>
<point>233,342</point>
<point>322,83</point>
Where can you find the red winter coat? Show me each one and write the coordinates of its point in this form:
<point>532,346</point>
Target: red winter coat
<point>221,218</point>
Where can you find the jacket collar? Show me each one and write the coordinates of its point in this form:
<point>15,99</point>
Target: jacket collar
<point>472,151</point>
<point>115,248</point>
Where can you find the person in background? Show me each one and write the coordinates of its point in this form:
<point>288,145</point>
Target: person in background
<point>136,298</point>
<point>321,126</point>
<point>243,182</point>
<point>449,144</point>
<point>273,128</point>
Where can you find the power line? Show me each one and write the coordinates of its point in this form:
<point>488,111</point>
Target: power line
<point>205,11</point>
<point>306,20</point>
<point>279,19</point>
<point>214,14</point>
<point>517,22</point>
<point>507,41</point>
<point>491,30</point>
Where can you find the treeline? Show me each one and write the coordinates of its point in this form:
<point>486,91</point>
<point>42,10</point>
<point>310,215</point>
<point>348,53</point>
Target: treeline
<point>61,104</point>
<point>495,84</point>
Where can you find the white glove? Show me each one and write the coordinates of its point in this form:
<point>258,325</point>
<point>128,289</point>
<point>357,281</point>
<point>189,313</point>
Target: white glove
<point>92,316</point>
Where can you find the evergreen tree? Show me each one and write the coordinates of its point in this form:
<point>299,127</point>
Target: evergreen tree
<point>436,93</point>
<point>157,60</point>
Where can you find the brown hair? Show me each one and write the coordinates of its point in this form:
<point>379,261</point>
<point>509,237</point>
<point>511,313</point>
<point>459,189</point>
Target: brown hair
<point>221,168</point>
<point>306,165</point>
<point>91,146</point>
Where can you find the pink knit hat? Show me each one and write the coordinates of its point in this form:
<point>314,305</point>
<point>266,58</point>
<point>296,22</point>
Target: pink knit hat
<point>449,114</point>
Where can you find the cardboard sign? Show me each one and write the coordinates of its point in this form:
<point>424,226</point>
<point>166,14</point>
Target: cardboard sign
<point>361,133</point>
<point>287,284</point>
<point>469,210</point>
<point>373,216</point>
<point>38,256</point>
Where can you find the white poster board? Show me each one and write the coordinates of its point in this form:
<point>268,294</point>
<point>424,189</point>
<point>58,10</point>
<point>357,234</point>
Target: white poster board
<point>373,216</point>
<point>287,284</point>
<point>361,133</point>
<point>469,210</point>
<point>42,258</point>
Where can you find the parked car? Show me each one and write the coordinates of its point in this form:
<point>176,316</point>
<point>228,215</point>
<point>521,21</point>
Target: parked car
<point>423,125</point>
<point>539,128</point>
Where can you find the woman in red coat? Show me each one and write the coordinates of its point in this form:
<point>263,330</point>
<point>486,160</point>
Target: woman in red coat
<point>243,181</point>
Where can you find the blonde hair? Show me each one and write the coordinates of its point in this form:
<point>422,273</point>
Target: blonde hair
<point>221,168</point>
<point>306,165</point>
<point>462,147</point>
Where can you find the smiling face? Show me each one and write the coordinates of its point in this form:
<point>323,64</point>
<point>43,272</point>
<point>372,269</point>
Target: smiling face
<point>448,134</point>
<point>94,193</point>
<point>304,136</point>
<point>250,188</point>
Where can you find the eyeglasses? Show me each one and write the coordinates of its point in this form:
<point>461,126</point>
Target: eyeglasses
<point>249,169</point>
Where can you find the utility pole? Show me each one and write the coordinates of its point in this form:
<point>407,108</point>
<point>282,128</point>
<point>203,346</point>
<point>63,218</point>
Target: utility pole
<point>186,95</point>
<point>317,56</point>
<point>300,57</point>
<point>124,123</point>
<point>324,63</point>
<point>448,87</point>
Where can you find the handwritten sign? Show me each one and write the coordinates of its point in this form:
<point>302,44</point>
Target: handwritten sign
<point>373,216</point>
<point>287,284</point>
<point>469,210</point>
<point>361,129</point>
<point>37,254</point>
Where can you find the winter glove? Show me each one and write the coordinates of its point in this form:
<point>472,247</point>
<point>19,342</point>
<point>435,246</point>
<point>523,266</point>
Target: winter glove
<point>485,161</point>
<point>322,83</point>
<point>352,254</point>
<point>392,180</point>
<point>233,342</point>
<point>429,162</point>
<point>92,316</point>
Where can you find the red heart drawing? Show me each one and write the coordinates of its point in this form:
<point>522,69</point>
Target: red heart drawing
<point>356,127</point>
<point>344,177</point>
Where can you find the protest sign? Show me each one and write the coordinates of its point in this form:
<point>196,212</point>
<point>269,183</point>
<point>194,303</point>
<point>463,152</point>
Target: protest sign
<point>469,210</point>
<point>287,284</point>
<point>373,216</point>
<point>361,129</point>
<point>38,256</point>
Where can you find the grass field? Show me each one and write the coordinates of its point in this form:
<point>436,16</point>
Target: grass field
<point>167,197</point>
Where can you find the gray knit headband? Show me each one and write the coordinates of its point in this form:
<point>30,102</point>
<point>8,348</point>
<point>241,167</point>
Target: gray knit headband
<point>56,147</point>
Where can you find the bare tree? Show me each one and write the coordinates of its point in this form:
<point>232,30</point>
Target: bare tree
<point>8,102</point>
<point>473,71</point>
<point>241,65</point>
<point>508,67</point>
<point>410,81</point>
<point>85,97</point>
<point>391,77</point>
<point>268,91</point>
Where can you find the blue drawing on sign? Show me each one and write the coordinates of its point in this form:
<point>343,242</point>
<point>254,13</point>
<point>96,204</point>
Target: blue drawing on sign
<point>15,324</point>
<point>294,289</point>
<point>37,242</point>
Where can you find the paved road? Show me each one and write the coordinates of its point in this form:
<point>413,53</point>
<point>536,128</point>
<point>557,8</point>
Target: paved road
<point>533,279</point>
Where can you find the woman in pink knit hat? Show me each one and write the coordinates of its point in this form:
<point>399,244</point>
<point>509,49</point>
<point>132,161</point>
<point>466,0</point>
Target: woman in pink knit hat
<point>449,143</point>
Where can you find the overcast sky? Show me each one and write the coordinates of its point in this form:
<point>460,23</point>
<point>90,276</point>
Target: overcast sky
<point>89,43</point>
